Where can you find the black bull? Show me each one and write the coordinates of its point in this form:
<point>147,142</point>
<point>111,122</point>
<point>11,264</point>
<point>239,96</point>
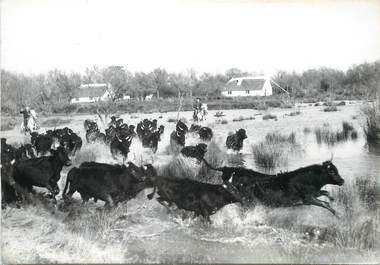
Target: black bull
<point>42,172</point>
<point>201,198</point>
<point>298,187</point>
<point>109,183</point>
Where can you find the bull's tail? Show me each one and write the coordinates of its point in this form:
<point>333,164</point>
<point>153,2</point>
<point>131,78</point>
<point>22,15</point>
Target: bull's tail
<point>69,179</point>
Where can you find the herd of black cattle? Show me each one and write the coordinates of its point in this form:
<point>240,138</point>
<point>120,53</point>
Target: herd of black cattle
<point>29,165</point>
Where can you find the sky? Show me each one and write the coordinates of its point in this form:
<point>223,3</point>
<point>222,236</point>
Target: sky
<point>178,35</point>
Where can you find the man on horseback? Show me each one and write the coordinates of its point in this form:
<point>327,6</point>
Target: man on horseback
<point>30,120</point>
<point>200,110</point>
<point>197,107</point>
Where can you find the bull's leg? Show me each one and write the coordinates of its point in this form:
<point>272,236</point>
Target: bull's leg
<point>150,195</point>
<point>323,204</point>
<point>325,193</point>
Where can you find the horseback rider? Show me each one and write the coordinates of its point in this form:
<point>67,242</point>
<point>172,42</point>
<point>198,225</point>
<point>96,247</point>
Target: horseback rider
<point>29,114</point>
<point>197,105</point>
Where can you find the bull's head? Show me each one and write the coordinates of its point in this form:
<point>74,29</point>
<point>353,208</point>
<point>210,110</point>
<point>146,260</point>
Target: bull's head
<point>202,148</point>
<point>332,173</point>
<point>62,156</point>
<point>241,134</point>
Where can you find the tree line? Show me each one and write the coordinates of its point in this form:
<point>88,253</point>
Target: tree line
<point>58,87</point>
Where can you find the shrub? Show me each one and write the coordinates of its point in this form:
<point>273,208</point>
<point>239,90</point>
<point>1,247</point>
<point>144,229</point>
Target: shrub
<point>267,156</point>
<point>359,226</point>
<point>330,109</point>
<point>8,123</point>
<point>273,151</point>
<point>215,157</point>
<point>372,123</point>
<point>241,118</point>
<point>327,135</point>
<point>295,113</point>
<point>269,116</point>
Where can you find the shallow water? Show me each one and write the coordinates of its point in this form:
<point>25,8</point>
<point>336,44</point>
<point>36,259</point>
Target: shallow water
<point>148,232</point>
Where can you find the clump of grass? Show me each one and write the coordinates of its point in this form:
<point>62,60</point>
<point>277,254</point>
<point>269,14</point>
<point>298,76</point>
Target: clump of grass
<point>8,123</point>
<point>306,130</point>
<point>372,123</point>
<point>92,152</point>
<point>274,150</point>
<point>241,118</point>
<point>269,116</point>
<point>54,122</point>
<point>331,137</point>
<point>359,227</point>
<point>267,156</point>
<point>219,121</point>
<point>178,167</point>
<point>98,225</point>
<point>295,113</point>
<point>330,109</point>
<point>215,157</point>
<point>277,138</point>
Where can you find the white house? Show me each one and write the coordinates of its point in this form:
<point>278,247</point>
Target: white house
<point>248,86</point>
<point>92,93</point>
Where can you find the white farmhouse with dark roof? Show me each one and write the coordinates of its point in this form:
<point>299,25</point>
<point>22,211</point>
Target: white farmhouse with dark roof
<point>248,86</point>
<point>92,93</point>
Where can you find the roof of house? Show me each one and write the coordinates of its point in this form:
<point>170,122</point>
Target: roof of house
<point>91,90</point>
<point>245,83</point>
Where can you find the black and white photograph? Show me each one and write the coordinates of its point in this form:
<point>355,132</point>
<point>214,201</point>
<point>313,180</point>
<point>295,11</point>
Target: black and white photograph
<point>190,131</point>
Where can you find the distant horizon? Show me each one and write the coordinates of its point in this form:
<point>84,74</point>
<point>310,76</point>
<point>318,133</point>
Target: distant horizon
<point>178,35</point>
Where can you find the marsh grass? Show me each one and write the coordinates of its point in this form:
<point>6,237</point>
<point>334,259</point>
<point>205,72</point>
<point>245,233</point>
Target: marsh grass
<point>371,126</point>
<point>330,108</point>
<point>223,121</point>
<point>241,118</point>
<point>179,167</point>
<point>306,130</point>
<point>92,152</point>
<point>331,137</point>
<point>274,150</point>
<point>295,113</point>
<point>359,203</point>
<point>8,123</point>
<point>216,157</point>
<point>54,122</point>
<point>269,116</point>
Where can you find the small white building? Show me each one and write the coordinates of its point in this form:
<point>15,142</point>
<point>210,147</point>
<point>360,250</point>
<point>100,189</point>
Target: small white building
<point>91,93</point>
<point>248,86</point>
